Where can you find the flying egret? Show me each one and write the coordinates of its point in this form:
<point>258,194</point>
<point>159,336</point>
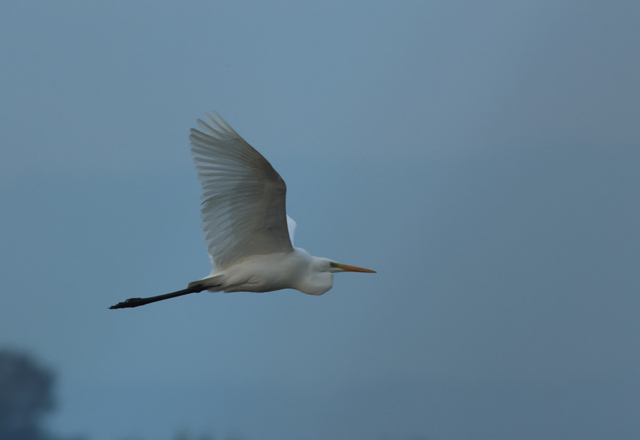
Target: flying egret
<point>248,232</point>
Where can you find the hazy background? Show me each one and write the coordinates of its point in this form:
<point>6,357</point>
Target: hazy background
<point>483,157</point>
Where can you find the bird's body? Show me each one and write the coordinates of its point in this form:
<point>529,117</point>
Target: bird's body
<point>266,273</point>
<point>248,233</point>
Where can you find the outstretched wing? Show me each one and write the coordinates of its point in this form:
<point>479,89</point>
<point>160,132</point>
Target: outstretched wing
<point>243,200</point>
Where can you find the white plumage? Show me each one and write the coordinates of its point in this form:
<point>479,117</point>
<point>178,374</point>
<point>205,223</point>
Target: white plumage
<point>243,197</point>
<point>248,233</point>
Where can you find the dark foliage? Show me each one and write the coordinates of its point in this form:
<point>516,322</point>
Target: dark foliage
<point>26,396</point>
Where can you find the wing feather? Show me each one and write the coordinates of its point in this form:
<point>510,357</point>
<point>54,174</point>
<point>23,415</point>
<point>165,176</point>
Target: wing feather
<point>291,225</point>
<point>243,197</point>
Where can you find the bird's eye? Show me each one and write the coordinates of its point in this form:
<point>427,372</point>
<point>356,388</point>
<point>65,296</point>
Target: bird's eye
<point>332,264</point>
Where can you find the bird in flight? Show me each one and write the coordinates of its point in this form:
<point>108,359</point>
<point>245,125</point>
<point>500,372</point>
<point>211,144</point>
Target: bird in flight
<point>248,233</point>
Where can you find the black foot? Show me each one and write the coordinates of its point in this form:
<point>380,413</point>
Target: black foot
<point>131,302</point>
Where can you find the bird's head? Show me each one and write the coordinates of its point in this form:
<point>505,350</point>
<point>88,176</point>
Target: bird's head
<point>319,278</point>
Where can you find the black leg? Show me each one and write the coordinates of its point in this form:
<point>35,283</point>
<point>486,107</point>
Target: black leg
<point>136,302</point>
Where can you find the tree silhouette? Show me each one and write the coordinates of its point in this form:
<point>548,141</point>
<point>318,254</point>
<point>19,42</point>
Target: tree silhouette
<point>26,396</point>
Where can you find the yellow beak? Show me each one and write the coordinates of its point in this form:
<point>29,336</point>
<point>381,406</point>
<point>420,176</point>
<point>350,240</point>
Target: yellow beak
<point>348,268</point>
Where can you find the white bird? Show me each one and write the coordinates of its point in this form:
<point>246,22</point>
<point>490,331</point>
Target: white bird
<point>248,233</point>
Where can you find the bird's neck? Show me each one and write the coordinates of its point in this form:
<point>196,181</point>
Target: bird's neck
<point>315,281</point>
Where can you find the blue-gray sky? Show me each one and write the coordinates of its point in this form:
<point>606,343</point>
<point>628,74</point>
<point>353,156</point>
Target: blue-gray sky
<point>484,157</point>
